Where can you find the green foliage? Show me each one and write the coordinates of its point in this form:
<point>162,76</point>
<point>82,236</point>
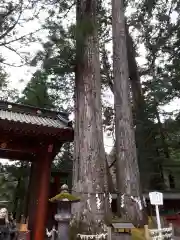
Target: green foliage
<point>13,186</point>
<point>6,185</point>
<point>3,79</point>
<point>36,92</point>
<point>13,15</point>
<point>6,93</point>
<point>157,31</point>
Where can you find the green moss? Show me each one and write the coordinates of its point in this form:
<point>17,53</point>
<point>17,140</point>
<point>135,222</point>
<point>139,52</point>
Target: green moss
<point>62,196</point>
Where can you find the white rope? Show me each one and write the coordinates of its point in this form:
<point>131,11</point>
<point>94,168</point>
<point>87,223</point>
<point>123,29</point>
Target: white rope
<point>162,237</point>
<point>155,231</point>
<point>96,236</point>
<point>110,199</point>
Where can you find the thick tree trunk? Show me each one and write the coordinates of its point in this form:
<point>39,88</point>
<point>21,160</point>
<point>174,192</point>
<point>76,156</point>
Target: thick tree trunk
<point>144,142</point>
<point>89,175</point>
<point>128,180</point>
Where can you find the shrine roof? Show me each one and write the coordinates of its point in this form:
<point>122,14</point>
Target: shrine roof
<point>18,113</point>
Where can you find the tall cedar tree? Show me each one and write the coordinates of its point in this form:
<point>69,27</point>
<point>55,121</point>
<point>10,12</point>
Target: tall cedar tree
<point>128,180</point>
<point>89,168</point>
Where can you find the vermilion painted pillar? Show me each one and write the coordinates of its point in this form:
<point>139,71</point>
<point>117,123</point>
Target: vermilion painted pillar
<point>32,192</point>
<point>43,194</point>
<point>52,207</point>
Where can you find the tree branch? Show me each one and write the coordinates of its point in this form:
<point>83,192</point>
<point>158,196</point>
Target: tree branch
<point>69,9</point>
<point>15,51</point>
<point>13,26</point>
<point>20,38</point>
<point>112,164</point>
<point>12,65</point>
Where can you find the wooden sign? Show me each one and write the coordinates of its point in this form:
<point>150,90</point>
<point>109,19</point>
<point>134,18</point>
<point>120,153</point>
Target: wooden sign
<point>156,198</point>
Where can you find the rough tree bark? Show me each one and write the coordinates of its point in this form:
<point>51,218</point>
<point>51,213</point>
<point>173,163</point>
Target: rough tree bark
<point>144,141</point>
<point>143,132</point>
<point>128,180</point>
<point>89,174</point>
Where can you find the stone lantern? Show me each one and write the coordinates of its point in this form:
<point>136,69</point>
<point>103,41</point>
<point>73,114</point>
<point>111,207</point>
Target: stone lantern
<point>64,200</point>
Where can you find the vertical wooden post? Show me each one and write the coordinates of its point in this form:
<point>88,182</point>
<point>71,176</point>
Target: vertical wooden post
<point>171,226</point>
<point>43,194</point>
<point>33,189</point>
<point>28,199</point>
<point>146,231</point>
<point>109,233</point>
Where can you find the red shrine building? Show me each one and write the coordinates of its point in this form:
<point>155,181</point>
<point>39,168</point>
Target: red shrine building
<point>34,135</point>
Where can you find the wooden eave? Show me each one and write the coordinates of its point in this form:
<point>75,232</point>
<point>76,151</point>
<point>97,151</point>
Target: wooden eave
<point>64,134</point>
<point>27,131</point>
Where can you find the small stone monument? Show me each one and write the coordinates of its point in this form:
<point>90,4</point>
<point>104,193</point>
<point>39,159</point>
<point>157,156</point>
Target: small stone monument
<point>63,216</point>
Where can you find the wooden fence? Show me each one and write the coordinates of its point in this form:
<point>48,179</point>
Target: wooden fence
<point>155,234</point>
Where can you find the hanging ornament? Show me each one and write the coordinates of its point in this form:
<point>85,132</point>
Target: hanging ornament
<point>122,201</point>
<point>50,233</point>
<point>144,200</point>
<point>110,199</point>
<point>138,201</point>
<point>98,202</point>
<point>88,202</point>
<point>105,228</point>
